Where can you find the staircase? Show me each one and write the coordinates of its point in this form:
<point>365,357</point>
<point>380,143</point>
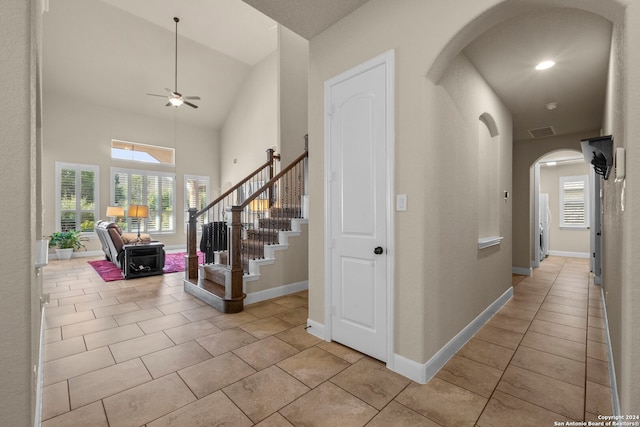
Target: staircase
<point>257,223</point>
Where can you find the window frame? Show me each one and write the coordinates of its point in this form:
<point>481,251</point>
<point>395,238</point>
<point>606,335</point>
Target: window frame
<point>584,179</point>
<point>145,174</point>
<point>207,183</point>
<point>78,167</point>
<point>142,148</point>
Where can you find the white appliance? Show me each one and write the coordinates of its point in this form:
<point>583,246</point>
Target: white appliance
<point>543,238</point>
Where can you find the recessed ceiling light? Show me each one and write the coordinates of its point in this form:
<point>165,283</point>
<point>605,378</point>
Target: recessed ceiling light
<point>545,65</point>
<point>551,106</point>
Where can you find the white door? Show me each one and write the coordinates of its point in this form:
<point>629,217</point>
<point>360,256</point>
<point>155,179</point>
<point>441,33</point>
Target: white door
<point>357,127</point>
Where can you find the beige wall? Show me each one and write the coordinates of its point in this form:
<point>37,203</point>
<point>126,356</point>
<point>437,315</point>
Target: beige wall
<point>293,74</point>
<point>620,231</point>
<point>20,289</point>
<point>251,126</point>
<point>290,266</point>
<point>79,132</point>
<point>442,282</point>
<point>575,241</point>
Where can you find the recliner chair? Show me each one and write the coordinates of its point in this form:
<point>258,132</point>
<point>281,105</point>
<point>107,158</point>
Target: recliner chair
<point>113,239</point>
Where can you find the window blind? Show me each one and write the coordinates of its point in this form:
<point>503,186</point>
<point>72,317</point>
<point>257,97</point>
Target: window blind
<point>151,188</point>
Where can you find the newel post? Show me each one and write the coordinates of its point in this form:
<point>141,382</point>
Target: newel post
<point>271,157</point>
<point>237,272</point>
<point>305,178</point>
<point>191,259</point>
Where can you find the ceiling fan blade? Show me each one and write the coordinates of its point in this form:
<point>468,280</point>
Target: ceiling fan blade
<point>169,90</point>
<point>190,104</point>
<point>168,104</point>
<point>191,97</point>
<point>153,94</point>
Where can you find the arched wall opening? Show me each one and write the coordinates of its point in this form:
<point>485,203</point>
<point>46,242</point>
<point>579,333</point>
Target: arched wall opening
<point>488,177</point>
<point>552,234</point>
<point>613,10</point>
<point>618,268</point>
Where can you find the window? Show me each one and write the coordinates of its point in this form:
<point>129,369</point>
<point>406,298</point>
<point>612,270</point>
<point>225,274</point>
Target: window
<point>76,197</point>
<point>154,189</point>
<point>196,192</point>
<point>124,150</point>
<point>574,192</point>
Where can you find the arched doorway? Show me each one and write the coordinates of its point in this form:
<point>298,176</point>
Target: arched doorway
<point>505,20</point>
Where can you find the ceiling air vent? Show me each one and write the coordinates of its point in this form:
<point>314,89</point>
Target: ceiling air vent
<point>542,132</point>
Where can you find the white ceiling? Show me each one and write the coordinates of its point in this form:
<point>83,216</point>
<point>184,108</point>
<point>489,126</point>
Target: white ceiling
<point>579,43</point>
<point>99,53</point>
<point>231,27</point>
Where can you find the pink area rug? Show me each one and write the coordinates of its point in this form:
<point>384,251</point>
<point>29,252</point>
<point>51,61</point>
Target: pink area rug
<point>173,263</point>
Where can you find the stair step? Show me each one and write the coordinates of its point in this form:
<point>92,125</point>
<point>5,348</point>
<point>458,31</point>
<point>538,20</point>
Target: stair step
<point>275,223</point>
<point>265,235</point>
<point>286,212</point>
<point>213,288</point>
<point>213,273</point>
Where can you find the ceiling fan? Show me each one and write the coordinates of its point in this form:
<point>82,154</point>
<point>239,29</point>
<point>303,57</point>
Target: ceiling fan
<point>175,98</point>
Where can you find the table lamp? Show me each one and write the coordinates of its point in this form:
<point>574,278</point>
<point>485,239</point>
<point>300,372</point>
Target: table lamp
<point>138,211</point>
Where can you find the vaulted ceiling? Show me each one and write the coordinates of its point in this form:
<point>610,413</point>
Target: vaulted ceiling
<point>113,52</point>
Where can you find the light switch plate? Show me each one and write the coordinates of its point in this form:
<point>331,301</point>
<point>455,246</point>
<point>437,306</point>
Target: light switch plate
<point>401,203</point>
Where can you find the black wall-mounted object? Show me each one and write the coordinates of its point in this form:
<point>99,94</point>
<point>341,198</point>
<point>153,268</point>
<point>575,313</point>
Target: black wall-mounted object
<point>599,152</point>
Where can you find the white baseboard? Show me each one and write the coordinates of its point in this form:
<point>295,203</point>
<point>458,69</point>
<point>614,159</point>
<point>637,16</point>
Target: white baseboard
<point>615,398</point>
<point>570,254</point>
<point>410,369</point>
<point>521,270</point>
<point>79,254</point>
<point>40,373</point>
<point>422,373</point>
<point>276,292</point>
<point>316,329</point>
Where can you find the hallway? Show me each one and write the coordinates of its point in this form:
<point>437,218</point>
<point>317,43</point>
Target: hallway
<point>142,352</point>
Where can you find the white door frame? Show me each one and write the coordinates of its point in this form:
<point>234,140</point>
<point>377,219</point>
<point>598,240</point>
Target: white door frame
<point>387,59</point>
<point>535,261</point>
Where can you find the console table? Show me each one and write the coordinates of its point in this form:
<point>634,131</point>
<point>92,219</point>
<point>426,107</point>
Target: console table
<point>143,259</point>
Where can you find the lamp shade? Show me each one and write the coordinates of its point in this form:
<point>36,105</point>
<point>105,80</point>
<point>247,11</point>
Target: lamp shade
<point>138,211</point>
<point>115,211</point>
<point>259,205</point>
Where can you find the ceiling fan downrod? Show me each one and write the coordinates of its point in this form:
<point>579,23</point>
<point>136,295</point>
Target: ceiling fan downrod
<point>176,19</point>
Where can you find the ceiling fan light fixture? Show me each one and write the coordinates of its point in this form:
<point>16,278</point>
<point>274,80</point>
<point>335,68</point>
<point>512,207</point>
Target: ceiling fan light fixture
<point>176,102</point>
<point>545,65</point>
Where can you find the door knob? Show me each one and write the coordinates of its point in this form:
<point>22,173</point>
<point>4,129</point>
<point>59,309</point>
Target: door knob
<point>378,250</point>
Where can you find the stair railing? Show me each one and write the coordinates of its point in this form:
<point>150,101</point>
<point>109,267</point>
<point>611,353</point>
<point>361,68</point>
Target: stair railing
<point>257,221</point>
<point>218,211</point>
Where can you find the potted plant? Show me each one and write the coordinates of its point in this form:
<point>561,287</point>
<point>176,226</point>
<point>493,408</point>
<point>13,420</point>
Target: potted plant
<point>66,242</point>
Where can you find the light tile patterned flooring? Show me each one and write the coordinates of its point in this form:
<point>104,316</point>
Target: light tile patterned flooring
<point>144,353</point>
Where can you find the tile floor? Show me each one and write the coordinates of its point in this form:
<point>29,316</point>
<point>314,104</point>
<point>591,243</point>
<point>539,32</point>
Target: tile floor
<point>144,353</point>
